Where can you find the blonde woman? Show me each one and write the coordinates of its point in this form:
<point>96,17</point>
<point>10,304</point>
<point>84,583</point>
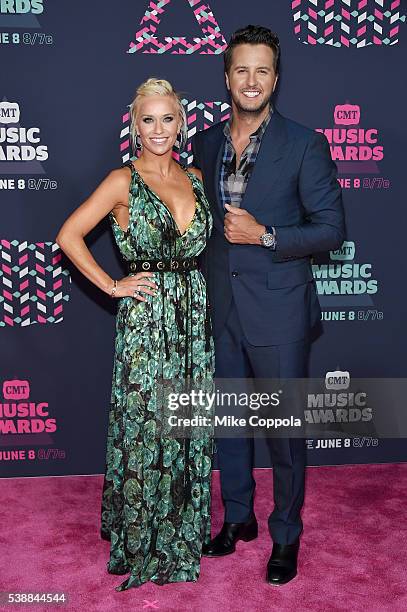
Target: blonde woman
<point>156,492</point>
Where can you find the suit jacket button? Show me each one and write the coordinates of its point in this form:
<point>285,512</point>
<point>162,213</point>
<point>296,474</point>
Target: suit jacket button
<point>234,273</point>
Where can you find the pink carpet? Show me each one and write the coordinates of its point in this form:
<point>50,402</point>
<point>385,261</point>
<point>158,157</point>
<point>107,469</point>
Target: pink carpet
<point>352,555</point>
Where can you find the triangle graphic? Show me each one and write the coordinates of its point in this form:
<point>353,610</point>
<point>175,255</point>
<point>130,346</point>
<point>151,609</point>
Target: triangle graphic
<point>20,167</point>
<point>212,41</point>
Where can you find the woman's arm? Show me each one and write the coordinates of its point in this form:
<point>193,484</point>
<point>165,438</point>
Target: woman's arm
<point>111,191</point>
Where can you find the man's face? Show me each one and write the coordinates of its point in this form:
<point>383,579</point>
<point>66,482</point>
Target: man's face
<point>251,79</point>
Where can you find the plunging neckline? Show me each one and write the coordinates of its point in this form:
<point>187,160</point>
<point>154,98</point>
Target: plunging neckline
<point>165,205</point>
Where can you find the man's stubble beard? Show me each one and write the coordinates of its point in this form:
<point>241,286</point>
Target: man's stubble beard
<point>253,112</point>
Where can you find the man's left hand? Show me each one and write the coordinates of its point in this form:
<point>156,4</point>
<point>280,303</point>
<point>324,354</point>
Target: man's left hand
<point>241,227</point>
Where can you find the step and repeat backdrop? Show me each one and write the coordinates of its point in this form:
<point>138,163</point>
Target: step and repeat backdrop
<point>69,71</point>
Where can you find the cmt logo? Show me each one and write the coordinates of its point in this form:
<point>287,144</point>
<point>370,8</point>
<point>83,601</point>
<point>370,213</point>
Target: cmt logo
<point>343,281</point>
<point>345,253</point>
<point>345,406</point>
<point>21,7</point>
<point>9,112</point>
<point>354,148</point>
<point>16,389</point>
<point>347,23</point>
<point>337,380</point>
<point>347,114</point>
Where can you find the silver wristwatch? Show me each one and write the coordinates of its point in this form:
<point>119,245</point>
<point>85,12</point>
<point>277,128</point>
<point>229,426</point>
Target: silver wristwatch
<point>268,239</point>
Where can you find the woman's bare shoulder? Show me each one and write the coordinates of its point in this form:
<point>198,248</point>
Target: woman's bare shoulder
<point>120,175</point>
<point>195,171</point>
<point>118,182</point>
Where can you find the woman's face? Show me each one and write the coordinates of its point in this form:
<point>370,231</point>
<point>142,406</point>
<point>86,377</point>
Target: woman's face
<point>158,123</point>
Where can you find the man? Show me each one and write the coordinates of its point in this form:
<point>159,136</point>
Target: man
<point>275,201</point>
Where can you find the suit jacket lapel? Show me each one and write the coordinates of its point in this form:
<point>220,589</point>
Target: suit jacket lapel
<point>217,146</point>
<point>269,163</point>
<point>217,178</point>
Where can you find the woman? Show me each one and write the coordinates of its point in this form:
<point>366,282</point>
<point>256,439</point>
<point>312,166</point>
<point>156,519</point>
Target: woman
<point>156,492</point>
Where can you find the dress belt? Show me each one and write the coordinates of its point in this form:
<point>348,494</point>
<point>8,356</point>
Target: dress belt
<point>176,264</point>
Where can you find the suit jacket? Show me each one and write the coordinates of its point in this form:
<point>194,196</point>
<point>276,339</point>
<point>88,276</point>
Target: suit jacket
<point>293,187</point>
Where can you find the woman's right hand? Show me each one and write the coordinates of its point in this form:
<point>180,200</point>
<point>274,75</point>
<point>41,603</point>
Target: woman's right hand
<point>135,285</point>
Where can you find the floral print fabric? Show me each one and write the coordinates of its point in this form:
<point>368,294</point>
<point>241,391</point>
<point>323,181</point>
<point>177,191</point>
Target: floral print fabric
<point>156,491</point>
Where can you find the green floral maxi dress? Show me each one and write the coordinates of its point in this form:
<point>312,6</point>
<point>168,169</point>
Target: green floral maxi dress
<point>156,490</point>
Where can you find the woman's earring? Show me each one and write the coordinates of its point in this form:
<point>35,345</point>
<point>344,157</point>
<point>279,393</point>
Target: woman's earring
<point>139,144</point>
<point>180,140</point>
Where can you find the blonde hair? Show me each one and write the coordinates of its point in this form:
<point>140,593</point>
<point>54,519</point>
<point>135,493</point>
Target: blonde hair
<point>157,87</point>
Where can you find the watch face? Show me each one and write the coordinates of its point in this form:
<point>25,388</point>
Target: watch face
<point>267,240</point>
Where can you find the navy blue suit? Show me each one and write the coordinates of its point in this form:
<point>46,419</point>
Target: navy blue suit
<point>264,303</point>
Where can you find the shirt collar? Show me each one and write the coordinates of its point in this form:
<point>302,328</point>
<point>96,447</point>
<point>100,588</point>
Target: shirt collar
<point>257,134</point>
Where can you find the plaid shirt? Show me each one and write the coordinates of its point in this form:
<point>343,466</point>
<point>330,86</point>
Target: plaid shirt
<point>233,181</point>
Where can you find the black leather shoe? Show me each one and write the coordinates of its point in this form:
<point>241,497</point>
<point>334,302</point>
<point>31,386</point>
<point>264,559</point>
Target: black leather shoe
<point>225,542</point>
<point>282,565</point>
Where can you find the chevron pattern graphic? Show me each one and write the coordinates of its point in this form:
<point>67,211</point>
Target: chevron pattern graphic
<point>200,116</point>
<point>347,23</point>
<point>34,285</point>
<point>212,42</point>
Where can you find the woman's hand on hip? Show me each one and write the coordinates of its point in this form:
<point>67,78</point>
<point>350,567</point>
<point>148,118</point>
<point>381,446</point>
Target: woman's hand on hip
<point>136,285</point>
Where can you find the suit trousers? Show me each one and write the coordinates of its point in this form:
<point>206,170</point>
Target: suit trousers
<point>235,357</point>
